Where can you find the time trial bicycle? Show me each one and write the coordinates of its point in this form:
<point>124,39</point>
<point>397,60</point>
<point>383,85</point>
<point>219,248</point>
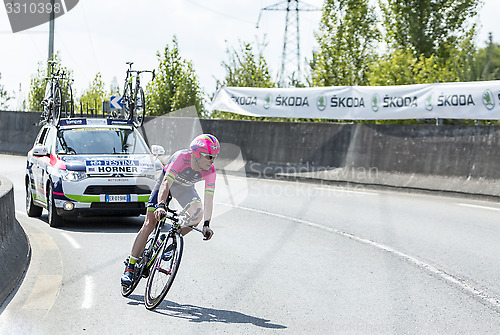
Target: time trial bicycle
<point>134,104</point>
<point>161,257</point>
<point>53,102</point>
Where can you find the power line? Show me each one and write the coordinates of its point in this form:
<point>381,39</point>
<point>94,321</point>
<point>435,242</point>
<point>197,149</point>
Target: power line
<point>292,8</point>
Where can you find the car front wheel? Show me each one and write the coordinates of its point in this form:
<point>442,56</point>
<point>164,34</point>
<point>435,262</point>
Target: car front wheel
<point>54,219</point>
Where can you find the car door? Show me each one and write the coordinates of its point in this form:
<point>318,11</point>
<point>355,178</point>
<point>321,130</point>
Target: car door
<point>42,162</point>
<point>37,164</point>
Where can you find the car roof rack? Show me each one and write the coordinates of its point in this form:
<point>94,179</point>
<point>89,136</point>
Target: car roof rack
<point>92,116</point>
<point>94,122</point>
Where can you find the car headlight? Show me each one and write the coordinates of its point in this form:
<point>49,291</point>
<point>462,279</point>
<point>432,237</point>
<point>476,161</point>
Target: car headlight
<point>74,175</point>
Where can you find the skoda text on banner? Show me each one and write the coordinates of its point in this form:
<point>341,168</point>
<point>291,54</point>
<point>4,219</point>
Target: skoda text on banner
<point>470,100</point>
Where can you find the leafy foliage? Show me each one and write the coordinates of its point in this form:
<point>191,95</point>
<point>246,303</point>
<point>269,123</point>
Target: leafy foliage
<point>92,98</point>
<point>402,67</point>
<point>428,27</point>
<point>347,38</point>
<point>244,68</point>
<point>38,82</point>
<point>4,96</point>
<point>176,84</point>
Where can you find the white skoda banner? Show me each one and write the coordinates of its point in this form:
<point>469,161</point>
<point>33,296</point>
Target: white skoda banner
<point>471,100</point>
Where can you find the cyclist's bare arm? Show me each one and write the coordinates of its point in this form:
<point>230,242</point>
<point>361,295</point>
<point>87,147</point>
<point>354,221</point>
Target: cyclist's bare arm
<point>162,197</point>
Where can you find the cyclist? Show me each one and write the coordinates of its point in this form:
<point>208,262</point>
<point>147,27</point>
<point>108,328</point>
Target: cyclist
<point>183,169</point>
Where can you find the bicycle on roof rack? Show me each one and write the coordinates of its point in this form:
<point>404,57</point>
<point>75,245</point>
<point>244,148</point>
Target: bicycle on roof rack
<point>161,257</point>
<point>134,104</point>
<point>53,103</point>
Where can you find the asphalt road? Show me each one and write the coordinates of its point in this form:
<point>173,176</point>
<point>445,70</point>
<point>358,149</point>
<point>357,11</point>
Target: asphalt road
<point>286,258</point>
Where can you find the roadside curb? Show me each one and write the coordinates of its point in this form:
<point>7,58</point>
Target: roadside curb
<point>15,250</point>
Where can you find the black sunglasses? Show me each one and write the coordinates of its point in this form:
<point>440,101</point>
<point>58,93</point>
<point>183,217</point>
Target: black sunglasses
<point>208,156</point>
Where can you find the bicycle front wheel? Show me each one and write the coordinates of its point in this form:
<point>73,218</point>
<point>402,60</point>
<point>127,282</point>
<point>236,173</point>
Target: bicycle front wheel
<point>163,271</point>
<point>56,108</point>
<point>140,108</point>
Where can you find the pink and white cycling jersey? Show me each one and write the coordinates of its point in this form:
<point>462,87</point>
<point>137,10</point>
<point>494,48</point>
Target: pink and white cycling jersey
<point>179,171</point>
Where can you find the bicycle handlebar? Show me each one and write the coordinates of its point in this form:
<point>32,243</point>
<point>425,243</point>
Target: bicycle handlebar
<point>185,218</point>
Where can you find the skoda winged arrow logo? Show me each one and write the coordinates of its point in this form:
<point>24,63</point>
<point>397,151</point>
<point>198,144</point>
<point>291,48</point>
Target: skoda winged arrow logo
<point>375,102</point>
<point>321,102</point>
<point>267,101</point>
<point>428,102</point>
<point>488,99</point>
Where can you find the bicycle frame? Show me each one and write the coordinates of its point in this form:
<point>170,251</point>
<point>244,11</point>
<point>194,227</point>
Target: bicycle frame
<point>150,253</point>
<point>130,95</point>
<point>53,108</point>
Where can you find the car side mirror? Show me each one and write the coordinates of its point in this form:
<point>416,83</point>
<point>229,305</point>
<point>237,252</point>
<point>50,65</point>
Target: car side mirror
<point>157,150</point>
<point>40,151</point>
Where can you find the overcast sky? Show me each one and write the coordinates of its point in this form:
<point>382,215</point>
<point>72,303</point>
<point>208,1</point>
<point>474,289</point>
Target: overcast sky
<point>100,36</point>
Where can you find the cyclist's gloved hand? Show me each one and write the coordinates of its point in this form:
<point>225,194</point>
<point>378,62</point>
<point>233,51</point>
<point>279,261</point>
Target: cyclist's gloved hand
<point>160,213</point>
<point>208,233</point>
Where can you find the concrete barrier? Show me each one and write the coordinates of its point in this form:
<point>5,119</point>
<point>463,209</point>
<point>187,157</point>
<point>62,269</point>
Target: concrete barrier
<point>14,246</point>
<point>18,131</point>
<point>460,159</point>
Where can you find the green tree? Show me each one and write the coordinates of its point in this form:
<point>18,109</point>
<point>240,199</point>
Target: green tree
<point>176,84</point>
<point>4,96</point>
<point>245,69</point>
<point>38,82</point>
<point>428,27</point>
<point>488,60</point>
<point>92,98</point>
<point>347,39</point>
<point>402,67</point>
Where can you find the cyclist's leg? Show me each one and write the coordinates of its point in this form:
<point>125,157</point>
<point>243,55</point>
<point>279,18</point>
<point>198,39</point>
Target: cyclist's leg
<point>142,236</point>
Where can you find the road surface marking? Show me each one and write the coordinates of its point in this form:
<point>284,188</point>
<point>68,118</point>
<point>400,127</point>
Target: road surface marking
<point>341,190</point>
<point>44,241</point>
<point>462,284</point>
<point>71,240</point>
<point>481,207</point>
<point>87,296</point>
<point>44,292</point>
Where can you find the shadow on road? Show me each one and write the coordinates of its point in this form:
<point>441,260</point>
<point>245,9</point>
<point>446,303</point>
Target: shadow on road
<point>203,314</point>
<point>100,224</point>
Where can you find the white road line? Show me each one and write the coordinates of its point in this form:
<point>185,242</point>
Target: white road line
<point>491,301</point>
<point>478,206</point>
<point>346,191</point>
<point>87,295</point>
<point>71,240</point>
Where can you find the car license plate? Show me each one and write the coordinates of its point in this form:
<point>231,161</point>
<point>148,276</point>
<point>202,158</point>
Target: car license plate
<point>118,198</point>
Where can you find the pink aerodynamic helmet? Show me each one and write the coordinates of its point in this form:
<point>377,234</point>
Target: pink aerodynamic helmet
<point>205,143</point>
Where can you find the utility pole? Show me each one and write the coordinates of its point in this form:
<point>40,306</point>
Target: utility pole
<point>290,65</point>
<point>51,30</point>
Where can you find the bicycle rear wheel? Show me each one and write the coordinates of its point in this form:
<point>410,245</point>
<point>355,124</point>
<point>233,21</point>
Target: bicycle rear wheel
<point>163,271</point>
<point>56,108</point>
<point>139,108</point>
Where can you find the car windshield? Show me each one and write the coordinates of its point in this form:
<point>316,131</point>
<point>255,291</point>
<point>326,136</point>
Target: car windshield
<point>92,141</point>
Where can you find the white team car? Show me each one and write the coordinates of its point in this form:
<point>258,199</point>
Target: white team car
<point>90,167</point>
